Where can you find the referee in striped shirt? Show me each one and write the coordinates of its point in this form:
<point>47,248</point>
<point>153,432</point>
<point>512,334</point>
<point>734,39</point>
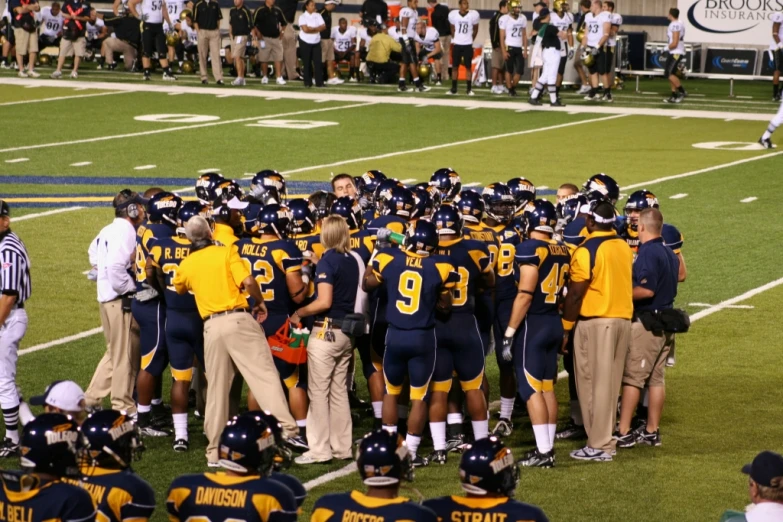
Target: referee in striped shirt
<point>14,291</point>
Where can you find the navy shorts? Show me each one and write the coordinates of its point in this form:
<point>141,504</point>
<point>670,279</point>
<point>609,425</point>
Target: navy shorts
<point>460,351</point>
<point>293,375</point>
<point>185,340</point>
<point>411,353</point>
<point>535,353</point>
<point>151,318</point>
<point>502,317</point>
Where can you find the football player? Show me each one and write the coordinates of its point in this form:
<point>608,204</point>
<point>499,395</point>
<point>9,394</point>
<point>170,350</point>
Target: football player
<point>524,192</point>
<point>448,183</point>
<point>604,185</point>
<point>416,286</point>
<point>48,447</point>
<point>464,28</point>
<point>383,461</point>
<point>344,38</point>
<point>598,29</point>
<point>563,19</point>
<point>611,45</point>
<point>184,326</point>
<point>283,458</point>
<point>351,211</point>
<point>394,205</point>
<point>344,185</point>
<point>366,185</point>
<point>459,346</point>
<point>153,14</point>
<point>244,491</point>
<point>267,186</point>
<point>408,18</point>
<point>51,26</point>
<point>489,476</point>
<point>206,185</point>
<point>513,43</point>
<point>149,311</point>
<point>543,267</point>
<point>675,55</point>
<point>428,46</point>
<point>111,443</point>
<point>566,190</point>
<point>499,216</point>
<point>276,263</point>
<point>227,211</point>
<point>424,202</point>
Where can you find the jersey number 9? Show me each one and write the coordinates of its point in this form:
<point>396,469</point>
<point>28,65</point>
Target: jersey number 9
<point>410,290</point>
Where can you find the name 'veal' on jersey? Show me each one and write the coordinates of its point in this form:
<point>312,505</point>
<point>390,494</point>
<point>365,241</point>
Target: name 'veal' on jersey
<point>563,23</point>
<point>617,21</point>
<point>463,26</point>
<point>595,27</point>
<point>50,24</point>
<point>343,41</point>
<point>514,28</point>
<point>94,29</point>
<point>152,11</point>
<point>676,27</point>
<point>413,18</point>
<point>429,39</point>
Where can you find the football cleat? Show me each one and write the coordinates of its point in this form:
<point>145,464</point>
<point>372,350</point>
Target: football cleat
<point>534,101</point>
<point>169,77</point>
<point>625,441</point>
<point>607,97</point>
<point>151,431</point>
<point>422,88</point>
<point>402,88</point>
<point>471,93</point>
<point>571,431</point>
<point>536,459</point>
<point>298,443</point>
<point>451,92</point>
<point>503,428</point>
<point>419,462</point>
<point>181,445</point>
<point>767,144</point>
<point>438,457</point>
<point>9,449</point>
<point>650,439</point>
<point>456,444</point>
<point>558,103</point>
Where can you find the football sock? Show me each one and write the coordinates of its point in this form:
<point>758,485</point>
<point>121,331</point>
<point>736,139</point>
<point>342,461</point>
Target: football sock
<point>401,82</point>
<point>391,428</point>
<point>377,408</point>
<point>454,422</point>
<point>157,402</point>
<point>470,86</point>
<point>775,89</point>
<point>352,72</point>
<point>607,90</point>
<point>593,90</point>
<point>557,90</point>
<point>543,443</point>
<point>767,133</point>
<point>144,408</point>
<point>438,430</point>
<point>147,71</point>
<point>552,431</point>
<point>506,407</point>
<point>552,93</point>
<point>25,415</point>
<point>180,425</point>
<point>681,90</point>
<point>11,418</point>
<point>454,85</point>
<point>413,442</point>
<point>480,429</point>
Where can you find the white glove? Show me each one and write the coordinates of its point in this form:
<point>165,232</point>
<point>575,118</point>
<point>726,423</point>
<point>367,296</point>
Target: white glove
<point>383,234</point>
<point>594,51</point>
<point>508,347</point>
<point>92,275</point>
<point>148,293</point>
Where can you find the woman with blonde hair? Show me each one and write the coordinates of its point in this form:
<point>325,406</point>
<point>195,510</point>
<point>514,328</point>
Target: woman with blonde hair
<point>329,350</point>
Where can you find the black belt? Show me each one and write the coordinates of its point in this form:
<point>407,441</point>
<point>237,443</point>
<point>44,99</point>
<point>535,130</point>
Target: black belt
<point>227,312</point>
<point>332,323</point>
<point>19,306</point>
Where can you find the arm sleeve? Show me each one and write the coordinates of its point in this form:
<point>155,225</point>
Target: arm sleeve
<point>527,255</point>
<point>580,265</point>
<point>118,263</point>
<point>324,272</point>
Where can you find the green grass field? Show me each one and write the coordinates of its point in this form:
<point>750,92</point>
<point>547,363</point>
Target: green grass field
<point>62,148</point>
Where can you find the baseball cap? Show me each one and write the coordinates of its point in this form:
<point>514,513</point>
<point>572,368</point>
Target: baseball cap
<point>64,395</point>
<point>333,2</point>
<point>233,203</point>
<point>767,466</point>
<point>543,13</point>
<point>5,210</point>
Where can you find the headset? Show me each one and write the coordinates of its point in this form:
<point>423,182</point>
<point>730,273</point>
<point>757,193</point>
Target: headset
<point>130,207</point>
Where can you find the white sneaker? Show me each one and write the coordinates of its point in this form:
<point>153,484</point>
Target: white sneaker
<point>4,65</point>
<point>471,93</point>
<point>334,81</point>
<point>352,79</point>
<point>56,75</point>
<point>280,81</point>
<point>438,84</point>
<point>264,80</point>
<point>22,74</point>
<point>584,89</point>
<point>504,89</point>
<point>238,82</point>
<point>74,75</point>
<point>33,74</point>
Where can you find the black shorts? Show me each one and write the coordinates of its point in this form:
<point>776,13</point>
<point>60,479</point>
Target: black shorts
<point>9,34</point>
<point>48,41</point>
<point>562,66</point>
<point>462,55</point>
<point>408,52</point>
<point>345,55</point>
<point>423,53</point>
<point>672,63</point>
<point>153,39</point>
<point>515,64</point>
<point>777,60</point>
<point>95,45</point>
<point>602,63</point>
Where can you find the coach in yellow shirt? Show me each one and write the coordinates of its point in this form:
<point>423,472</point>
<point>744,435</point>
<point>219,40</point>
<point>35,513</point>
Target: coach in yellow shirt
<point>379,62</point>
<point>600,302</point>
<point>232,338</point>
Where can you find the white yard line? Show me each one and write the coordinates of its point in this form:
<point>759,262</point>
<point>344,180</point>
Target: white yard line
<point>145,167</point>
<point>63,340</point>
<point>59,98</point>
<point>332,475</point>
<point>17,160</point>
<point>47,213</point>
<point>81,164</point>
<point>678,196</point>
<point>734,300</point>
<point>180,128</point>
<point>749,200</point>
<point>707,305</point>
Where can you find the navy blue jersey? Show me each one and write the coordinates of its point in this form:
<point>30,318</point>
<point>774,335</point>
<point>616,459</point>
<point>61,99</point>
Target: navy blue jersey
<point>393,223</point>
<point>342,272</point>
<point>672,238</point>
<point>508,237</point>
<point>358,506</point>
<point>470,259</point>
<point>310,242</point>
<point>486,235</point>
<point>413,284</point>
<point>119,494</point>
<point>552,260</point>
<point>503,509</point>
<point>28,498</point>
<point>145,235</point>
<point>167,253</point>
<point>269,260</point>
<point>219,497</point>
<point>575,233</point>
<point>292,483</point>
<point>363,244</point>
<point>369,215</point>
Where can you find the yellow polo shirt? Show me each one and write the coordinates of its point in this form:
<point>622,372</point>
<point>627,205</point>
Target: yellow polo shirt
<point>381,47</point>
<point>214,275</point>
<point>224,234</point>
<point>606,260</point>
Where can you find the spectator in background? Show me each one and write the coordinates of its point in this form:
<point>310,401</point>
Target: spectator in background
<point>765,486</point>
<point>23,21</point>
<point>268,28</point>
<point>289,7</point>
<point>439,19</point>
<point>238,31</point>
<point>8,32</point>
<point>327,44</point>
<point>125,40</point>
<point>96,34</point>
<point>311,24</point>
<point>51,26</point>
<point>206,18</point>
<point>329,350</point>
<point>76,14</point>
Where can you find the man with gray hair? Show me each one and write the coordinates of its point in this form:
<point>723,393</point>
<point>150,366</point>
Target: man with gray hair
<point>233,339</point>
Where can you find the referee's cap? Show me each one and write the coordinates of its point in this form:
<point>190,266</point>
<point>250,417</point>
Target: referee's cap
<point>5,210</point>
<point>63,395</point>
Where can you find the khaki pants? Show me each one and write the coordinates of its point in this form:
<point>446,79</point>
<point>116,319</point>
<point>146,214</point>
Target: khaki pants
<point>236,343</point>
<point>117,370</point>
<point>209,41</point>
<point>115,45</point>
<point>329,418</point>
<point>646,360</point>
<point>289,51</point>
<point>445,45</point>
<point>600,349</point>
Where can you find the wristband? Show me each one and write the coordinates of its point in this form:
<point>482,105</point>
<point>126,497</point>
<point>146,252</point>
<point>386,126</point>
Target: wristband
<point>510,332</point>
<point>568,325</point>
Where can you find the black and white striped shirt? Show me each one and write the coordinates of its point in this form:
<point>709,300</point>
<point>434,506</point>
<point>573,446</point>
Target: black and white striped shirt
<point>14,268</point>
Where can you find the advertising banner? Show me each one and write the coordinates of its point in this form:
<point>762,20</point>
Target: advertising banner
<point>735,22</point>
<point>738,62</point>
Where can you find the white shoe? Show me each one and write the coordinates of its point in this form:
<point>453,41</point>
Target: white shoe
<point>471,93</point>
<point>451,93</point>
<point>438,84</point>
<point>280,81</point>
<point>584,89</point>
<point>352,79</point>
<point>56,75</point>
<point>4,66</point>
<point>264,80</point>
<point>335,81</point>
<point>33,74</point>
<point>74,75</point>
<point>22,74</point>
<point>504,89</point>
<point>237,82</point>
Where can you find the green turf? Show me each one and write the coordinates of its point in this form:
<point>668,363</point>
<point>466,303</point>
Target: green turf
<point>723,404</point>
